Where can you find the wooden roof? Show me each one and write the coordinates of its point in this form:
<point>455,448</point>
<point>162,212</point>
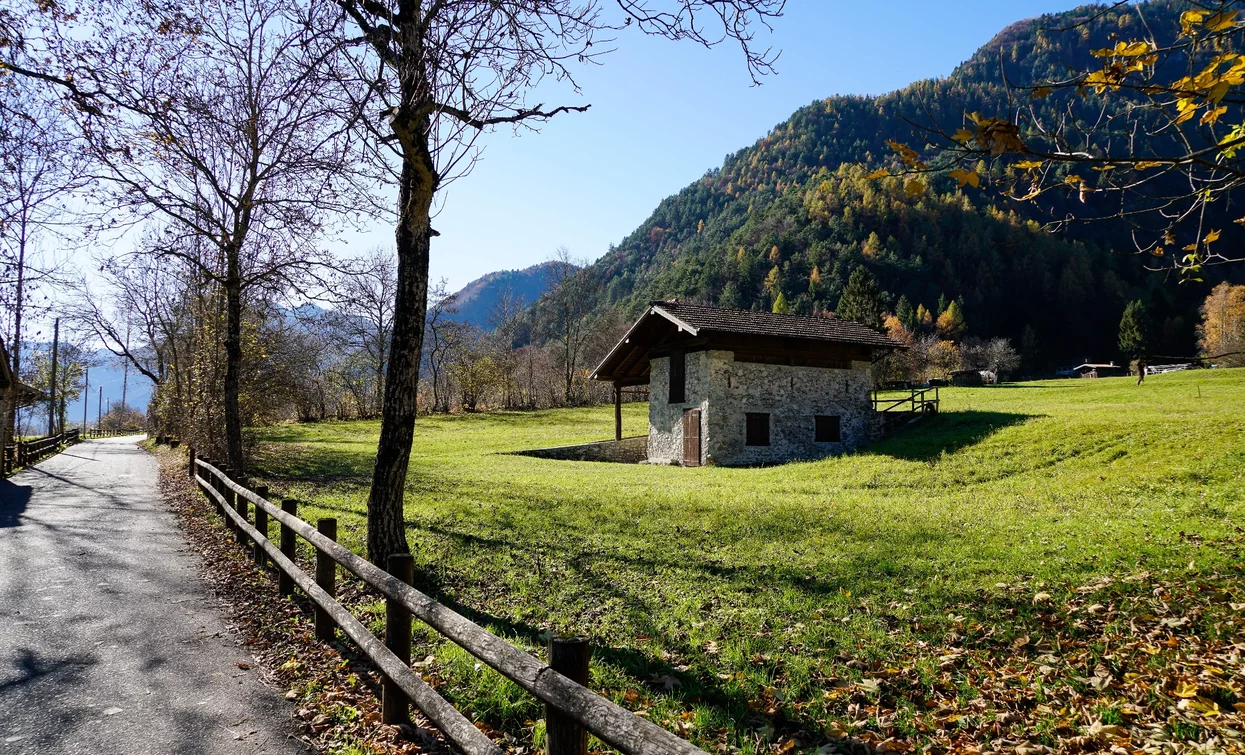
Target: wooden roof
<point>665,325</point>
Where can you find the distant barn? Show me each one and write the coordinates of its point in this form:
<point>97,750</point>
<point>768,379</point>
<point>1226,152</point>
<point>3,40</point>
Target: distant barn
<point>737,387</point>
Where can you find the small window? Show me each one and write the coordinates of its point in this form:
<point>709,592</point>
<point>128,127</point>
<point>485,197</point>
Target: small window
<point>678,377</point>
<point>757,430</point>
<point>826,430</point>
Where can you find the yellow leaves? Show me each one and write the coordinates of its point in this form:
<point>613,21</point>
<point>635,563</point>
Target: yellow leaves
<point>906,153</point>
<point>1029,164</point>
<point>1072,179</point>
<point>996,134</point>
<point>914,188</point>
<point>1125,50</point>
<point>1211,238</point>
<point>1186,689</point>
<point>1221,21</point>
<point>879,173</point>
<point>1185,109</point>
<point>1039,93</point>
<point>1190,19</point>
<point>966,177</point>
<point>1146,165</point>
<point>963,136</point>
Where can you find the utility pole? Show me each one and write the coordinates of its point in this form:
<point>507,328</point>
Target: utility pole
<point>99,407</point>
<point>56,342</point>
<point>86,396</point>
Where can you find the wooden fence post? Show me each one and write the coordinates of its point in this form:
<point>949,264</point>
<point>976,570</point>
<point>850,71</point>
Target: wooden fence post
<point>190,467</point>
<point>563,734</point>
<point>227,492</point>
<point>395,705</point>
<point>285,584</point>
<point>261,524</point>
<point>243,507</point>
<point>326,577</point>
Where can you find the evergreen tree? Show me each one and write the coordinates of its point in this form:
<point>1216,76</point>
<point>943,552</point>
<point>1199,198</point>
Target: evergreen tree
<point>905,313</point>
<point>951,324</point>
<point>862,299</point>
<point>730,296</point>
<point>1135,330</point>
<point>780,305</point>
<point>1030,349</point>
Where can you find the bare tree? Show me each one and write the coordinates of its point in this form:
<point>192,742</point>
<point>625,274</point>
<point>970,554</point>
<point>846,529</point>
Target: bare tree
<point>571,291</point>
<point>446,71</point>
<point>222,125</point>
<point>39,168</point>
<point>364,314</point>
<point>442,336</point>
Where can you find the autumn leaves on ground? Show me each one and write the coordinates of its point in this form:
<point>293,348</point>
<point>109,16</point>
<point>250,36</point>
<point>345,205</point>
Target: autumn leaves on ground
<point>1045,565</point>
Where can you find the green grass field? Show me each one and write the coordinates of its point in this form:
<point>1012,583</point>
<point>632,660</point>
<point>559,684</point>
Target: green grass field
<point>783,607</point>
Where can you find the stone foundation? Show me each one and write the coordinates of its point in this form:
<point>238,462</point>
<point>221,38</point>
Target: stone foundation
<point>632,450</point>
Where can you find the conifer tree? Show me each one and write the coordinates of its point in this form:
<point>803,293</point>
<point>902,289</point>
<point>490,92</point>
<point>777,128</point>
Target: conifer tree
<point>862,299</point>
<point>1134,330</point>
<point>905,314</point>
<point>951,324</point>
<point>780,304</point>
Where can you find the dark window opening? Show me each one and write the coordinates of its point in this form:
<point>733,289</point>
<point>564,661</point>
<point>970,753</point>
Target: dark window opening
<point>678,377</point>
<point>757,429</point>
<point>826,429</point>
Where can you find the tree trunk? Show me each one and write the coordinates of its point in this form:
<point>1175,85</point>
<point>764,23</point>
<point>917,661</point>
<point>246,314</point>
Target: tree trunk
<point>233,360</point>
<point>386,527</point>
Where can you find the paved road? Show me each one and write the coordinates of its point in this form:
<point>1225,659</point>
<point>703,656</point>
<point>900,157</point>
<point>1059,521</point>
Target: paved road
<point>109,641</point>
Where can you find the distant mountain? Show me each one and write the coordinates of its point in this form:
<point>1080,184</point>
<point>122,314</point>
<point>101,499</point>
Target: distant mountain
<point>477,300</point>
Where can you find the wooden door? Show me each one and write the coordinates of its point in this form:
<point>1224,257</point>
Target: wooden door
<point>691,437</point>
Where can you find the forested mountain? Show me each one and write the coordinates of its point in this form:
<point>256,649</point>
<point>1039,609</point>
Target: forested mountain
<point>476,302</point>
<point>794,214</point>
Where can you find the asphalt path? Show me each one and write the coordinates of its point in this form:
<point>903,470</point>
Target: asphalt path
<point>109,640</point>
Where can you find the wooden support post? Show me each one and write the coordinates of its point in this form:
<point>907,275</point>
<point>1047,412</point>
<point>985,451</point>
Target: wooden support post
<point>563,734</point>
<point>243,507</point>
<point>228,493</point>
<point>326,577</point>
<point>261,524</point>
<point>190,467</point>
<point>395,705</point>
<point>285,583</point>
<point>617,411</point>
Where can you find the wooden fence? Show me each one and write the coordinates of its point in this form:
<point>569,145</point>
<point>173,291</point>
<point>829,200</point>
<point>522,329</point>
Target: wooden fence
<point>97,433</point>
<point>572,710</point>
<point>27,452</point>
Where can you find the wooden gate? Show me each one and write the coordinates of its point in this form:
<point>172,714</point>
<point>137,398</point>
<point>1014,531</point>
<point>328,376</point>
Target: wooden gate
<point>691,437</point>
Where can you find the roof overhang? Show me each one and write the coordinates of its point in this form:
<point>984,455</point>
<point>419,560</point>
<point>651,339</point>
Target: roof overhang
<point>606,369</point>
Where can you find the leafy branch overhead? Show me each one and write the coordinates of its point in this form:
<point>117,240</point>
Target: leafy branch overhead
<point>1149,133</point>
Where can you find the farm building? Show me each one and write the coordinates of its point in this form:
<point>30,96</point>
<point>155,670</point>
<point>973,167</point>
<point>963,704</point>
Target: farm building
<point>737,387</point>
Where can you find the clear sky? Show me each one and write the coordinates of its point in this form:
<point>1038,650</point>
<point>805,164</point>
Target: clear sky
<point>663,113</point>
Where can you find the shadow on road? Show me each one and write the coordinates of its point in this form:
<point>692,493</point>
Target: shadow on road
<point>13,501</point>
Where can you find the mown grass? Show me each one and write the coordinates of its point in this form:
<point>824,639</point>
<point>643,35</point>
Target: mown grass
<point>708,590</point>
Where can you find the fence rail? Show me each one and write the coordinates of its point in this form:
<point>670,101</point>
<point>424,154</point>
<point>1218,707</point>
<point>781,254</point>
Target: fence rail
<point>27,452</point>
<point>917,400</point>
<point>571,708</point>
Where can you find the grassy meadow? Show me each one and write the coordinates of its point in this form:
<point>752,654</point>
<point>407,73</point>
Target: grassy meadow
<point>880,596</point>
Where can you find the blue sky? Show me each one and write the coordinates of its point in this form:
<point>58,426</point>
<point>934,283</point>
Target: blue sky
<point>663,113</point>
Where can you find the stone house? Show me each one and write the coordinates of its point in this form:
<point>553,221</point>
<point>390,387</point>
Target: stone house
<point>738,387</point>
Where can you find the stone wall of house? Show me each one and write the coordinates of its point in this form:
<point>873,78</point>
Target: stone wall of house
<point>726,390</point>
<point>792,396</point>
<point>665,420</point>
<point>626,451</point>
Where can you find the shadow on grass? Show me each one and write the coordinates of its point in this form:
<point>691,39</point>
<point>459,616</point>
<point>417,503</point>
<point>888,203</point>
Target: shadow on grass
<point>947,432</point>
